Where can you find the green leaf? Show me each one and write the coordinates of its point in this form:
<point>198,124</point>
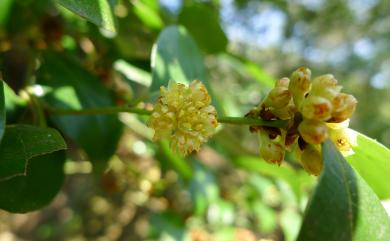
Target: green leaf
<point>174,160</point>
<point>203,188</point>
<point>43,180</point>
<point>295,179</point>
<point>75,88</point>
<point>372,161</point>
<point>202,21</point>
<point>133,73</point>
<point>343,207</point>
<point>22,143</point>
<point>176,57</point>
<point>98,12</point>
<point>5,7</point>
<point>2,110</point>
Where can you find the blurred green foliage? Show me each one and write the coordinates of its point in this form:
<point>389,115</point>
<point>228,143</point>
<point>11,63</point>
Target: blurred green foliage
<point>52,57</point>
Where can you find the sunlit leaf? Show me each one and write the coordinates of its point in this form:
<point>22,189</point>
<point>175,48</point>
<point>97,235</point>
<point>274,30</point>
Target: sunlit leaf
<point>372,161</point>
<point>147,14</point>
<point>343,207</point>
<point>98,12</point>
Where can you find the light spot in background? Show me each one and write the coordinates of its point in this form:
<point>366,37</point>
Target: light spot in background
<point>264,29</point>
<point>338,55</point>
<point>314,55</point>
<point>37,90</point>
<point>360,8</point>
<point>171,5</point>
<point>379,81</point>
<point>364,48</point>
<point>139,148</point>
<point>386,205</point>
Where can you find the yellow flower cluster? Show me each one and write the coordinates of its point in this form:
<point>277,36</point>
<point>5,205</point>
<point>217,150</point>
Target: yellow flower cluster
<point>316,110</point>
<point>184,115</point>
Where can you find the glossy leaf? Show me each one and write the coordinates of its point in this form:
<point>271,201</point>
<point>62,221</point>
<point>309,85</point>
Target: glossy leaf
<point>75,88</point>
<point>372,161</point>
<point>22,143</point>
<point>343,207</point>
<point>98,12</point>
<point>2,110</point>
<point>202,21</point>
<point>43,180</point>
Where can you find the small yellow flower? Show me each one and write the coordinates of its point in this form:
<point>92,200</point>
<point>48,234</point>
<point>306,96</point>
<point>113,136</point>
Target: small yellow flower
<point>184,115</point>
<point>343,137</point>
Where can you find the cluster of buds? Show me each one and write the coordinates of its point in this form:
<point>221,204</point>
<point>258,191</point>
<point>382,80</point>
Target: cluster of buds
<point>316,110</point>
<point>183,114</point>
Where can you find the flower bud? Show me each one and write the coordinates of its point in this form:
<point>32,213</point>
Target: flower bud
<point>311,160</point>
<point>278,97</point>
<point>300,84</point>
<point>285,113</point>
<point>343,107</point>
<point>325,86</point>
<point>313,132</point>
<point>271,152</point>
<point>283,82</point>
<point>316,108</point>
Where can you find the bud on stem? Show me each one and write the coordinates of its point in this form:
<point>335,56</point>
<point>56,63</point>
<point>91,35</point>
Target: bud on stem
<point>311,160</point>
<point>313,132</point>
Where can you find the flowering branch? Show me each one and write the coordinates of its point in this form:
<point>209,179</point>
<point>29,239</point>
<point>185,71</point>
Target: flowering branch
<point>139,111</point>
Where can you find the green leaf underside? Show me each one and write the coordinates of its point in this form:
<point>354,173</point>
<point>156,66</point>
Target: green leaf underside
<point>44,179</point>
<point>2,110</point>
<point>175,56</point>
<point>372,161</point>
<point>98,12</point>
<point>23,142</point>
<point>343,207</point>
<point>75,88</point>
